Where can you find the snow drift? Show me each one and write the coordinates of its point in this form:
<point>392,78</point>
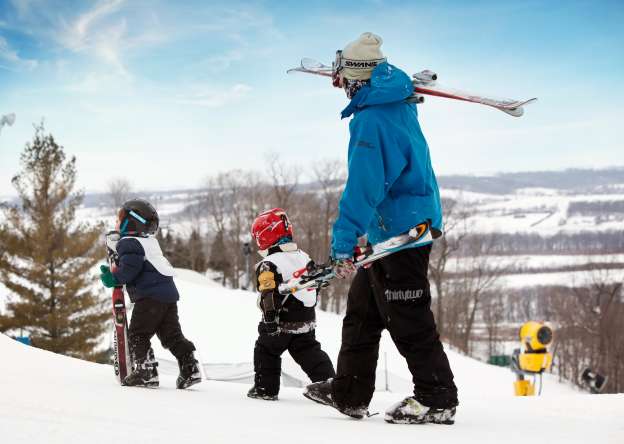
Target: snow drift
<point>48,398</point>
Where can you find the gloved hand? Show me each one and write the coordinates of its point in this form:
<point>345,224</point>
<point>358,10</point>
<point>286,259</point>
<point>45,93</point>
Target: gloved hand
<point>362,252</point>
<point>107,277</point>
<point>269,328</point>
<point>270,303</point>
<point>343,268</point>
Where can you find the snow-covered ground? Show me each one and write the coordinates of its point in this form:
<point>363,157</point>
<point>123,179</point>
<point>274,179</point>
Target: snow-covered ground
<point>223,325</point>
<point>48,398</point>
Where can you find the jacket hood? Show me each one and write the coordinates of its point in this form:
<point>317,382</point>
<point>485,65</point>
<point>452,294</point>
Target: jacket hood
<point>388,85</point>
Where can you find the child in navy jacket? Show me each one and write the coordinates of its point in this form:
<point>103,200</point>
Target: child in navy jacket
<point>148,278</point>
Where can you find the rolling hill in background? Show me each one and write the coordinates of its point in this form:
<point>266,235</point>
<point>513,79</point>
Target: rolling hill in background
<point>555,223</point>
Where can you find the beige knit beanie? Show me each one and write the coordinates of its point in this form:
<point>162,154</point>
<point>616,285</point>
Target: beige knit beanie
<point>361,56</point>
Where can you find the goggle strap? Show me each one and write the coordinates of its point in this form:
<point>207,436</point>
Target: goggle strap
<point>360,64</point>
<point>137,217</point>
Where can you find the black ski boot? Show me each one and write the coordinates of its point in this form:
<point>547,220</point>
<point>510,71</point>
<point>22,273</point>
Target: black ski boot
<point>260,393</point>
<point>322,393</point>
<point>144,373</point>
<point>410,411</point>
<point>189,371</point>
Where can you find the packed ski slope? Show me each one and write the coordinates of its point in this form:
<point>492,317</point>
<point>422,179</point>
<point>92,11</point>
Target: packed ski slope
<point>223,325</point>
<point>48,398</point>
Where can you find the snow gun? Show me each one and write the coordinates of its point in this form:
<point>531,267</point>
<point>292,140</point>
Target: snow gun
<point>533,358</point>
<point>592,381</point>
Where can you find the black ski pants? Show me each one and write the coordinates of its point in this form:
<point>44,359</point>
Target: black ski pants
<point>394,294</point>
<point>151,317</point>
<point>303,347</point>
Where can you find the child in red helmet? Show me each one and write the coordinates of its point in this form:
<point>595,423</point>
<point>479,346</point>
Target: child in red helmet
<point>288,322</point>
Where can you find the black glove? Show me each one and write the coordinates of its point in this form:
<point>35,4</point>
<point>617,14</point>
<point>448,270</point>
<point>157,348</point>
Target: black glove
<point>269,328</point>
<point>270,303</point>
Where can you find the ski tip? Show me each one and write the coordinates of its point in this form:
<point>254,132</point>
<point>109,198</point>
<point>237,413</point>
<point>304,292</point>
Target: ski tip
<point>518,110</point>
<point>528,102</point>
<point>515,112</point>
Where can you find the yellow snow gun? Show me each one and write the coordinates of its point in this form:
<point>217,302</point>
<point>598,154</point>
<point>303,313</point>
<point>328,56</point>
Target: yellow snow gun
<point>533,358</point>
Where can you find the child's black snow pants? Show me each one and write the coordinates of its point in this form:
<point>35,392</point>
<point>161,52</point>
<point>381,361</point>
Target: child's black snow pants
<point>151,317</point>
<point>303,347</point>
<point>394,294</point>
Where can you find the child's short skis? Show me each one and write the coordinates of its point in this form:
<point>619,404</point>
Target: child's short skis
<point>121,358</point>
<point>318,276</point>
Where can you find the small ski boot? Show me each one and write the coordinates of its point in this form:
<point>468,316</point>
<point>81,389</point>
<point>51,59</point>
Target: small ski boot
<point>144,373</point>
<point>189,371</point>
<point>322,393</point>
<point>260,393</point>
<point>410,411</point>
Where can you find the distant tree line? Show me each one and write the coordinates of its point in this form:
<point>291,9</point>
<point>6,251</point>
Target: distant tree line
<point>184,251</point>
<point>222,213</point>
<point>583,242</point>
<point>596,207</point>
<point>591,180</point>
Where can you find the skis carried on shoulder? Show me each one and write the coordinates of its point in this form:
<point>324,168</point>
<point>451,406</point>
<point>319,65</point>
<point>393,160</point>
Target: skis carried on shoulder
<point>318,276</point>
<point>121,358</point>
<point>425,83</point>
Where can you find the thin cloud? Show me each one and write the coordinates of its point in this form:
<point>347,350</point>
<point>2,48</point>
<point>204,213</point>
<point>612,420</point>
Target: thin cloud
<point>210,97</point>
<point>92,32</point>
<point>12,58</point>
<point>78,36</point>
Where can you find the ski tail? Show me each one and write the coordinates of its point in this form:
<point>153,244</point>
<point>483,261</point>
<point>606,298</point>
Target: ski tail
<point>121,349</point>
<point>509,106</point>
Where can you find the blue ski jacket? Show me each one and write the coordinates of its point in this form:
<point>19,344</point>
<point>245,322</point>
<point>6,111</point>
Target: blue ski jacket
<point>141,278</point>
<point>391,186</point>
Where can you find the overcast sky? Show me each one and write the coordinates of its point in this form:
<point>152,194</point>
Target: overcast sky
<point>167,93</point>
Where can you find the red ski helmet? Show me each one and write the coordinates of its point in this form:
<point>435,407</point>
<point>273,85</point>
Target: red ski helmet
<point>270,227</point>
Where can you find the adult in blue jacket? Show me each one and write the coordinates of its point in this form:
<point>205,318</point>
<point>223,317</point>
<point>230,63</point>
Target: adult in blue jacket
<point>391,187</point>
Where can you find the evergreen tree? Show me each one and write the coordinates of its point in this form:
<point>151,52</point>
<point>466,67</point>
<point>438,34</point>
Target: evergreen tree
<point>196,250</point>
<point>46,257</point>
<point>166,243</point>
<point>219,256</point>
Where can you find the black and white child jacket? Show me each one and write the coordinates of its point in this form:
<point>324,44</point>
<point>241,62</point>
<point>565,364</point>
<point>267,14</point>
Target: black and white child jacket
<point>144,270</point>
<point>296,312</point>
